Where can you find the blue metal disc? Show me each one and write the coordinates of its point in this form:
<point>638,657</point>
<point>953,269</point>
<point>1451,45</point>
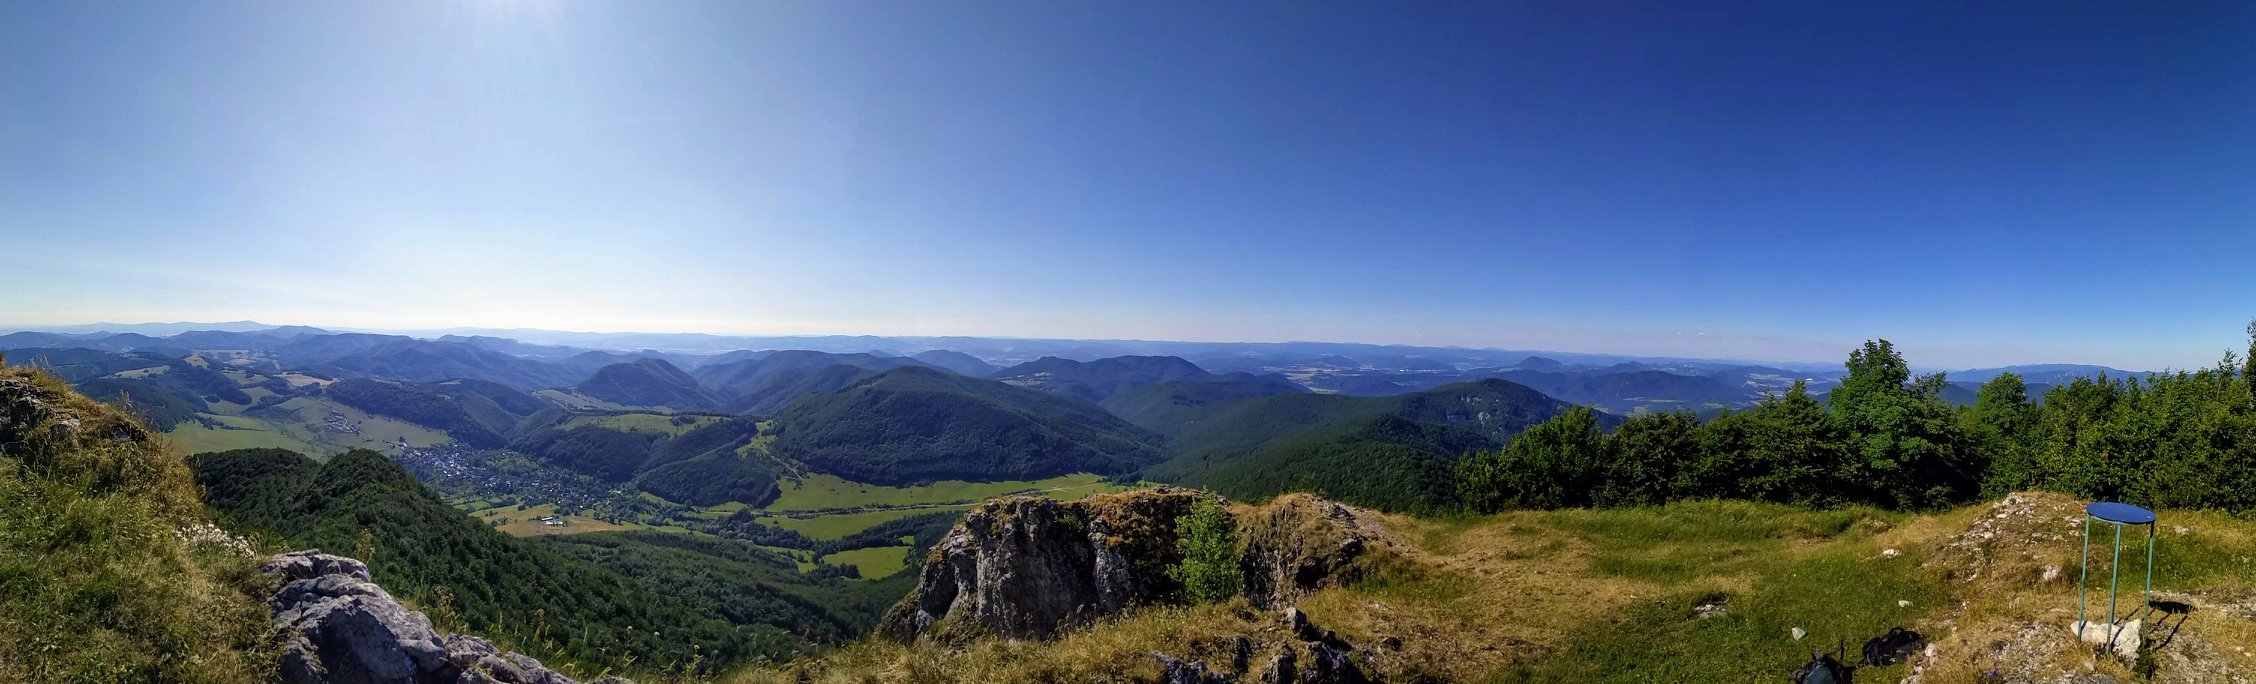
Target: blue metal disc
<point>2120,513</point>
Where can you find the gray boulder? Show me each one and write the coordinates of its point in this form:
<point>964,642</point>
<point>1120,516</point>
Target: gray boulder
<point>1025,567</point>
<point>1281,669</point>
<point>1329,665</point>
<point>344,629</point>
<point>1174,671</point>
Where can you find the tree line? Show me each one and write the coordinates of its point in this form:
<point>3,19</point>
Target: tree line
<point>1886,438</point>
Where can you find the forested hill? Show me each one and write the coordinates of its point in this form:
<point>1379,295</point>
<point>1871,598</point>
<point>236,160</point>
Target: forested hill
<point>1887,438</point>
<point>916,424</point>
<point>1095,380</point>
<point>419,546</point>
<point>648,382</point>
<point>1396,453</point>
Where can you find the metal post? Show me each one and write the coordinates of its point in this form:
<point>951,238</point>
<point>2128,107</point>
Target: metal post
<point>2114,573</point>
<point>2083,579</point>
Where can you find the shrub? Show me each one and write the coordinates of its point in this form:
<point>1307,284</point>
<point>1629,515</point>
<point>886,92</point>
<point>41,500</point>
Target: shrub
<point>1207,538</point>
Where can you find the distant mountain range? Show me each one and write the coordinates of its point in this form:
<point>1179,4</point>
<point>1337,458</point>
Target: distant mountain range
<point>687,419</point>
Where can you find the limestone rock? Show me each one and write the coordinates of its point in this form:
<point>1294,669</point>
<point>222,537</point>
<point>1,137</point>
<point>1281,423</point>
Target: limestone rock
<point>1175,671</point>
<point>1297,623</point>
<point>1025,567</point>
<point>2122,638</point>
<point>312,563</point>
<point>345,629</point>
<point>1281,668</point>
<point>1301,543</point>
<point>1329,665</point>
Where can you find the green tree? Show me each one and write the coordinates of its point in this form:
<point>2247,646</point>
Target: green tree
<point>1998,429</point>
<point>1552,464</point>
<point>1787,449</point>
<point>1644,456</point>
<point>1905,446</point>
<point>2248,365</point>
<point>1207,539</point>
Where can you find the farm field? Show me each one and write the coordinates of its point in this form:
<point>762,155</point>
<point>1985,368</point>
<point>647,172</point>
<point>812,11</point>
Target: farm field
<point>657,423</point>
<point>827,492</point>
<point>301,424</point>
<point>875,563</point>
<point>237,433</point>
<point>526,523</point>
<point>839,525</point>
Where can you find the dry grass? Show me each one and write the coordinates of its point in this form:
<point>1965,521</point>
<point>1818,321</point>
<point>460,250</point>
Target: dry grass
<point>1607,596</point>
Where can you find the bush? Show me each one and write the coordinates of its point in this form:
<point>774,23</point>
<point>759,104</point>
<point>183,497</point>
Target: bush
<point>1207,538</point>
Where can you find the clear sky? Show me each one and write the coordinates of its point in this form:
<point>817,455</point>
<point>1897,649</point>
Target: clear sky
<point>1984,184</point>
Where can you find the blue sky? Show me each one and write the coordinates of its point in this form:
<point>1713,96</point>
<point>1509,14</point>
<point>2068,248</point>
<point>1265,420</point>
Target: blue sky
<point>2044,183</point>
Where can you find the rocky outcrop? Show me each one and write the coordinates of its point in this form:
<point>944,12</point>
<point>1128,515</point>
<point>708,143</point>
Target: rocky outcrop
<point>1307,654</point>
<point>342,628</point>
<point>1300,543</point>
<point>1024,567</point>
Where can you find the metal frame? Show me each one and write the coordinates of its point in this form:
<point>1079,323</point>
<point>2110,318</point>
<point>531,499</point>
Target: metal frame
<point>2114,572</point>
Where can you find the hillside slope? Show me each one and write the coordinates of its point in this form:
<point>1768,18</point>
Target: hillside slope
<point>589,602</point>
<point>1394,453</point>
<point>914,424</point>
<point>1096,380</point>
<point>648,382</point>
<point>109,568</point>
<point>1688,592</point>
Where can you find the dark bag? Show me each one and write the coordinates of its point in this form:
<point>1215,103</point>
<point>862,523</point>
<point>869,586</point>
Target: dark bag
<point>1896,646</point>
<point>1821,669</point>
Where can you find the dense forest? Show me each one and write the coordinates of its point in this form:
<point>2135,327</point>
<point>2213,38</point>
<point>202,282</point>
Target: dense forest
<point>652,600</point>
<point>915,424</point>
<point>2184,439</point>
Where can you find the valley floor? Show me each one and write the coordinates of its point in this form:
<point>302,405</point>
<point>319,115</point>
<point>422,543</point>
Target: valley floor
<point>1690,592</point>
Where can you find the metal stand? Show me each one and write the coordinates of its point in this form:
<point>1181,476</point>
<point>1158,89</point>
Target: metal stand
<point>2119,515</point>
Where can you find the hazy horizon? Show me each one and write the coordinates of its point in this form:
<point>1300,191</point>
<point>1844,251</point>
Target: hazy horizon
<point>1984,186</point>
<point>549,336</point>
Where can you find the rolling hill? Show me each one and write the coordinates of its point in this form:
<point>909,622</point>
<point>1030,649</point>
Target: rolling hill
<point>749,375</point>
<point>1164,406</point>
<point>1396,453</point>
<point>956,361</point>
<point>474,412</point>
<point>782,387</point>
<point>648,382</point>
<point>1096,380</point>
<point>428,361</point>
<point>916,424</point>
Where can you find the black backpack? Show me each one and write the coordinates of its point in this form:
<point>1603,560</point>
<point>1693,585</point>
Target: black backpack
<point>1896,646</point>
<point>1821,669</point>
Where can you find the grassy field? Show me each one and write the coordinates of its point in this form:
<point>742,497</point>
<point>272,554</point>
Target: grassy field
<point>141,372</point>
<point>821,492</point>
<point>239,433</point>
<point>526,523</point>
<point>838,525</point>
<point>875,563</point>
<point>577,402</point>
<point>301,380</point>
<point>655,423</point>
<point>300,425</point>
<point>1699,591</point>
<point>304,418</point>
